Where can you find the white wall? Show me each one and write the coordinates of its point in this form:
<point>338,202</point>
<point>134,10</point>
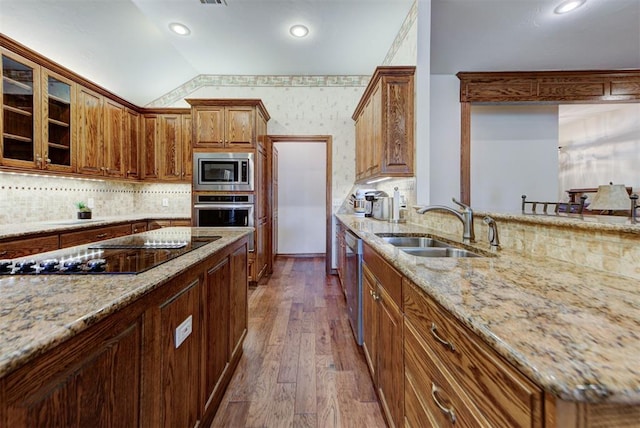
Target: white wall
<point>444,162</point>
<point>514,151</point>
<point>301,198</point>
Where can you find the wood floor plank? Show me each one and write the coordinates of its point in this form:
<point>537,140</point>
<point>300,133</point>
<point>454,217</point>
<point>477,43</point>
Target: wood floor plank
<point>300,366</point>
<point>306,400</point>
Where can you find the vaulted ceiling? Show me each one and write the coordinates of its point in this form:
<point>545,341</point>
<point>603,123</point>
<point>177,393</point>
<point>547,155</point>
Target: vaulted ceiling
<point>126,46</point>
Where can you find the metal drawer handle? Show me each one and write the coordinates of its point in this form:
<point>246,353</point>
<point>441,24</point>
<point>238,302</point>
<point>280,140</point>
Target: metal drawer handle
<point>102,235</point>
<point>447,411</point>
<point>2,253</point>
<point>434,333</point>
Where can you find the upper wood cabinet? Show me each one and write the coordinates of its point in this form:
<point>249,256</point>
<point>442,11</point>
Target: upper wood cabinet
<point>385,125</point>
<point>227,123</point>
<point>58,115</point>
<point>174,143</point>
<point>131,145</point>
<point>101,133</point>
<point>21,113</point>
<point>149,151</point>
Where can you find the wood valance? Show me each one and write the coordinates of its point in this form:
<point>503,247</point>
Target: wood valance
<point>550,86</point>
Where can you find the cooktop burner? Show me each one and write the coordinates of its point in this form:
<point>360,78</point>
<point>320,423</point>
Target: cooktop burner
<point>127,255</point>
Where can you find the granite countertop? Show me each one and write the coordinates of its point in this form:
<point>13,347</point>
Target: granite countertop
<point>38,312</point>
<point>53,226</point>
<point>572,330</point>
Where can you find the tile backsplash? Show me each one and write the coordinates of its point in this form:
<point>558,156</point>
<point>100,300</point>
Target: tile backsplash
<point>32,198</point>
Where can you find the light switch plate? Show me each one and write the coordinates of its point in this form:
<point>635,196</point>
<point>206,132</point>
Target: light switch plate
<point>184,330</point>
<point>165,202</point>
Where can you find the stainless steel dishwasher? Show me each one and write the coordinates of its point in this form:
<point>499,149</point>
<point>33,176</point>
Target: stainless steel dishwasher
<point>353,276</point>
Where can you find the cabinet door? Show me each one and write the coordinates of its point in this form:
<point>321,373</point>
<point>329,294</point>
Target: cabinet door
<point>12,249</point>
<point>90,151</point>
<point>113,137</point>
<point>93,380</point>
<point>261,248</point>
<point>170,147</point>
<point>20,112</point>
<point>374,157</point>
<point>58,115</point>
<point>149,147</point>
<point>179,367</point>
<point>390,359</point>
<point>215,333</point>
<point>131,146</point>
<point>238,299</point>
<point>187,150</point>
<point>209,127</point>
<point>239,126</point>
<point>81,237</point>
<point>370,321</point>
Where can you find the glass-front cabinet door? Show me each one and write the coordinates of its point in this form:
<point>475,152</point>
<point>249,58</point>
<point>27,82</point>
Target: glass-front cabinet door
<point>58,114</point>
<point>20,112</point>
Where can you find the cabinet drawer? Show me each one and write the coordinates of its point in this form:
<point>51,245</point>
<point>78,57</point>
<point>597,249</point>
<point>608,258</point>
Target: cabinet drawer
<point>429,393</point>
<point>139,227</point>
<point>87,236</point>
<point>386,275</point>
<point>503,395</point>
<point>25,247</point>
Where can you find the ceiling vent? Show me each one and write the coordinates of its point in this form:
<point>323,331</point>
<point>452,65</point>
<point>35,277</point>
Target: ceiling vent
<point>224,2</point>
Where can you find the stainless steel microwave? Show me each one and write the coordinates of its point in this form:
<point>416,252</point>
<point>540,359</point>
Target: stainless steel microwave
<point>223,171</point>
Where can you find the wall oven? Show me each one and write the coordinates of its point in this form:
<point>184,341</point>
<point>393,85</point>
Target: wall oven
<point>224,211</point>
<point>229,172</point>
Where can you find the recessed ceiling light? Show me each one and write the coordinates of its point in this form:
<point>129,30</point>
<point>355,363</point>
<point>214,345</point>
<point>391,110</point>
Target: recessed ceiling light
<point>299,31</point>
<point>180,29</point>
<point>568,6</point>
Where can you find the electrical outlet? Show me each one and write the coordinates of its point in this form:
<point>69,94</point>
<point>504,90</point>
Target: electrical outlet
<point>165,202</point>
<point>90,203</point>
<point>184,330</point>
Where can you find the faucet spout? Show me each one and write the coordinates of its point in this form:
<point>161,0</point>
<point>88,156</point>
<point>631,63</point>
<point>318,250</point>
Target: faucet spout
<point>465,216</point>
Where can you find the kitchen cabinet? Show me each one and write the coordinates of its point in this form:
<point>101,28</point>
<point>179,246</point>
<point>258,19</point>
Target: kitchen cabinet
<point>384,124</point>
<point>227,123</point>
<point>100,133</point>
<point>20,112</point>
<point>383,333</point>
<point>157,224</point>
<point>262,249</point>
<point>14,248</point>
<point>93,377</point>
<point>58,115</point>
<point>139,227</point>
<point>70,239</point>
<point>454,377</point>
<point>166,147</point>
<point>150,163</point>
<point>174,144</point>
<point>131,145</point>
<point>114,115</point>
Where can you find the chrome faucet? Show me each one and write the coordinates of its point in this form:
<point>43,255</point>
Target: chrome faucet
<point>465,216</point>
<point>494,241</point>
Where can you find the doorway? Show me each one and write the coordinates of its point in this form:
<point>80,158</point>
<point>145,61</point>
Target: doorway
<point>301,195</point>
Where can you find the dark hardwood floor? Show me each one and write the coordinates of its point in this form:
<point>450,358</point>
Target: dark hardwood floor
<point>301,366</point>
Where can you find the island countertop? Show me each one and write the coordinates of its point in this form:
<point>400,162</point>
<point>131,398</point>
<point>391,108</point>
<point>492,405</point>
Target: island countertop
<point>574,331</point>
<point>38,312</point>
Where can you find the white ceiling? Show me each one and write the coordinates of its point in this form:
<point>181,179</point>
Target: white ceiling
<point>126,47</point>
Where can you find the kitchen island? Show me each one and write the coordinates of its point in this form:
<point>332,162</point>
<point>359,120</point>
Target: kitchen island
<point>156,348</point>
<point>571,331</point>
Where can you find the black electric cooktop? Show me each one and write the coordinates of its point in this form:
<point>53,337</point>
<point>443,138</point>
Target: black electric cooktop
<point>127,255</point>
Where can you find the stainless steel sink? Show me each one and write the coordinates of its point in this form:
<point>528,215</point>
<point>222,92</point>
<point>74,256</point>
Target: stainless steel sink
<point>440,252</point>
<point>425,246</point>
<point>414,242</point>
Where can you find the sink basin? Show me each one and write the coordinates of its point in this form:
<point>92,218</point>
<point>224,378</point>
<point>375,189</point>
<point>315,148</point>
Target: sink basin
<point>440,252</point>
<point>425,246</point>
<point>415,242</point>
